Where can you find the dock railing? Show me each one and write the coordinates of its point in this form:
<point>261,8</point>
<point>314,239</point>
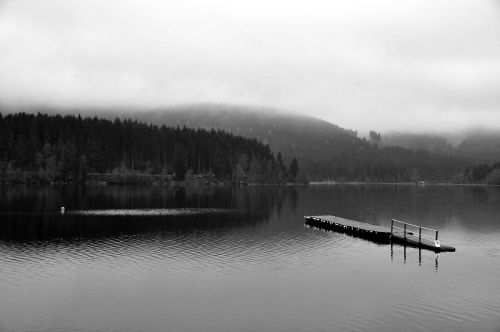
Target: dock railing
<point>407,229</point>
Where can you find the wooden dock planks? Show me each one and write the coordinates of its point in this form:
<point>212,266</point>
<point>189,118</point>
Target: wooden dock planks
<point>376,233</point>
<point>356,228</point>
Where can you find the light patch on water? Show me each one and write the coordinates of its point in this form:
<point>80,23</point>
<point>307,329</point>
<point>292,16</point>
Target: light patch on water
<point>146,212</point>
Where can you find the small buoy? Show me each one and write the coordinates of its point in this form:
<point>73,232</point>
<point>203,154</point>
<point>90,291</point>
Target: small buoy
<point>62,209</point>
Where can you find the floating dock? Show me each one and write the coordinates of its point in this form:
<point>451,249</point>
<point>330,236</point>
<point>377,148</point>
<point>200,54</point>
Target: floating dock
<point>356,228</point>
<point>400,232</point>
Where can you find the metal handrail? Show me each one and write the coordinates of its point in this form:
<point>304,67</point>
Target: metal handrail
<point>431,229</point>
<point>416,226</point>
<point>422,235</point>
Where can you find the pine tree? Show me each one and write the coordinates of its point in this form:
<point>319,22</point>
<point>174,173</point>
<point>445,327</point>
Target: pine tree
<point>293,170</point>
<point>281,169</point>
<point>180,162</point>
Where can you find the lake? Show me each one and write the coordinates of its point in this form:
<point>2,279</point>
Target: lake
<point>242,259</point>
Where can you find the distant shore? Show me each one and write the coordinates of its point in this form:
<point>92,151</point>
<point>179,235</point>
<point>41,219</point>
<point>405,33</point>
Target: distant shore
<point>130,178</point>
<point>399,183</point>
<point>169,180</point>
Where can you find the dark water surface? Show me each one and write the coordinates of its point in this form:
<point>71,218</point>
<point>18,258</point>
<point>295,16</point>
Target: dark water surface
<point>241,259</point>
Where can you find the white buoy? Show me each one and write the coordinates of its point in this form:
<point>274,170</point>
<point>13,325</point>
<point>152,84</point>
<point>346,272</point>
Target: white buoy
<point>62,209</point>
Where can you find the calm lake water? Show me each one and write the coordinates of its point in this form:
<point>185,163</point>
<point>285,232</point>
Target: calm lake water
<point>241,259</point>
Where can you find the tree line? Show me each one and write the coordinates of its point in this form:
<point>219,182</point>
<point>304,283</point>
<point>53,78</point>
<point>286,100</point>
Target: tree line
<point>483,173</point>
<point>45,148</point>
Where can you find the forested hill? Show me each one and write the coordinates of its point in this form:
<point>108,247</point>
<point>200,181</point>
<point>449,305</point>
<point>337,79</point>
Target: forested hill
<point>314,142</point>
<point>54,147</point>
<point>482,145</point>
<point>325,151</point>
<point>295,136</point>
<point>433,143</point>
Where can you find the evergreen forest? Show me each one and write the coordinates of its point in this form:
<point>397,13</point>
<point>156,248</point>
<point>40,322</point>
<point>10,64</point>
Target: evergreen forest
<point>42,148</point>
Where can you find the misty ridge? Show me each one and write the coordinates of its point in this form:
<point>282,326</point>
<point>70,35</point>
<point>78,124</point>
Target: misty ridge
<point>481,144</point>
<point>318,149</point>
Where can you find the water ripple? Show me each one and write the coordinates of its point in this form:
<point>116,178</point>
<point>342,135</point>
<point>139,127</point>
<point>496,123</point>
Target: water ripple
<point>145,212</point>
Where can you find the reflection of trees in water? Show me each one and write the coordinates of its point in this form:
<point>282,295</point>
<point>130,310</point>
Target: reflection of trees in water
<point>29,198</point>
<point>31,213</point>
<point>294,196</point>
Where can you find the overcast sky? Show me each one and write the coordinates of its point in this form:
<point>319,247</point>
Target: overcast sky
<point>418,65</point>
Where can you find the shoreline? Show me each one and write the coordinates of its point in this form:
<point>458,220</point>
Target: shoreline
<point>213,184</point>
<point>197,180</point>
<point>132,179</point>
<point>329,183</point>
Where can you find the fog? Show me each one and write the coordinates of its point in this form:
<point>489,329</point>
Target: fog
<point>406,65</point>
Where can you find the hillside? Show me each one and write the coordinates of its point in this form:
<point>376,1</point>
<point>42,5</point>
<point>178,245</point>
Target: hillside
<point>295,136</point>
<point>483,145</point>
<point>480,145</point>
<point>432,143</point>
<point>46,148</point>
<point>324,150</point>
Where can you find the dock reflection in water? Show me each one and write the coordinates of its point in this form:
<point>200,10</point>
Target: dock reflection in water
<point>419,250</point>
<point>403,247</point>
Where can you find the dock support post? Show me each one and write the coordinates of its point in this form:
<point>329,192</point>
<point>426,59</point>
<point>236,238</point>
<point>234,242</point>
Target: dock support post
<point>419,235</point>
<point>436,235</point>
<point>405,232</point>
<point>392,225</point>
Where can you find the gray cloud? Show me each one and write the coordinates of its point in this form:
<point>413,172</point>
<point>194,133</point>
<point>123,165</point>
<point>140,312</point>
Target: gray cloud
<point>418,65</point>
